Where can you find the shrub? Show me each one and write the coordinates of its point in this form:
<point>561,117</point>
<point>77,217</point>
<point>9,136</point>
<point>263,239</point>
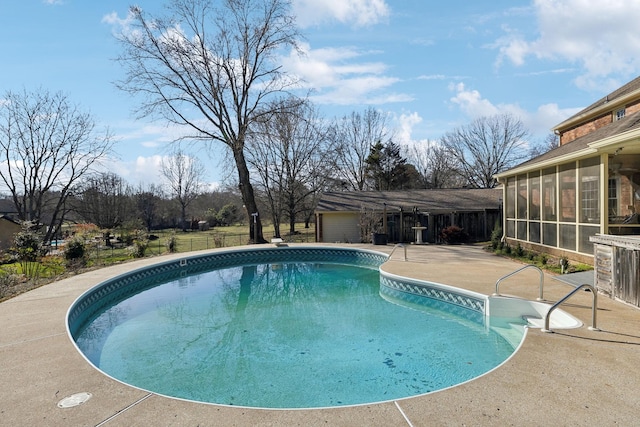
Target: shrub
<point>454,235</point>
<point>8,279</point>
<point>27,244</point>
<point>75,252</point>
<point>496,237</point>
<point>172,244</point>
<point>228,214</point>
<point>519,251</point>
<point>543,258</point>
<point>140,244</point>
<point>28,249</point>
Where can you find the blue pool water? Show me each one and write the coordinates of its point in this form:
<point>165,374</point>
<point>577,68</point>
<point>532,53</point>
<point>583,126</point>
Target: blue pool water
<point>285,335</point>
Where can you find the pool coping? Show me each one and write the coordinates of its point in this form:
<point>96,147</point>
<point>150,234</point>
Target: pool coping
<point>577,376</point>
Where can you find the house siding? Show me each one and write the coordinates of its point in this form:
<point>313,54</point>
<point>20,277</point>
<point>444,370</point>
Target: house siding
<point>340,227</point>
<point>8,230</point>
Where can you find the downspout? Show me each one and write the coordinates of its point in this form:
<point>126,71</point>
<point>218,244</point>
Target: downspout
<point>604,193</point>
<point>501,202</point>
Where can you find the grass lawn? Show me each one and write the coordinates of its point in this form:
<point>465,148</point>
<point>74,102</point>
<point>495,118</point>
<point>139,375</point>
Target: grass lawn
<point>18,277</point>
<point>188,241</point>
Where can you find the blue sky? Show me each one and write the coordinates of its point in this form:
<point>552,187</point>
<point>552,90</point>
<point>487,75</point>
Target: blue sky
<point>432,66</point>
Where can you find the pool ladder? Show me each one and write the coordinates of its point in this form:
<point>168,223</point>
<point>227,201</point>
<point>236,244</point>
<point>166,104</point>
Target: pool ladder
<point>518,271</point>
<point>402,245</point>
<point>547,319</point>
<point>594,307</point>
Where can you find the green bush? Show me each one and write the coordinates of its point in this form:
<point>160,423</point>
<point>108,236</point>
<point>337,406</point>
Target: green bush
<point>75,252</point>
<point>519,251</point>
<point>228,214</point>
<point>140,244</point>
<point>27,244</point>
<point>543,258</point>
<point>28,249</point>
<point>496,237</point>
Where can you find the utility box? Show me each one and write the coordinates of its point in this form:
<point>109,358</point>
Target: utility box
<point>617,266</point>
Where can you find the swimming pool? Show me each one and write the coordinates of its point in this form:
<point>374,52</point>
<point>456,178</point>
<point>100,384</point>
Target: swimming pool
<point>255,334</point>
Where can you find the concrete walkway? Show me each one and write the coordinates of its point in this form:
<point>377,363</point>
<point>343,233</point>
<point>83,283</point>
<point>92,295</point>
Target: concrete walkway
<point>571,377</point>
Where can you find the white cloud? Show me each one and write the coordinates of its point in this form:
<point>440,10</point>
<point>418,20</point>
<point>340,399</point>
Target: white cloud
<point>115,20</point>
<point>602,37</point>
<point>142,170</point>
<point>471,102</point>
<point>357,13</point>
<point>336,77</point>
<point>539,122</point>
<point>404,129</point>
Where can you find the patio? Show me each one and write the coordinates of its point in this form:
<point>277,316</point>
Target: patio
<point>570,377</point>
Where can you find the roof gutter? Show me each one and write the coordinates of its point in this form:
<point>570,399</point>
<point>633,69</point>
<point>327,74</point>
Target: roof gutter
<point>610,144</point>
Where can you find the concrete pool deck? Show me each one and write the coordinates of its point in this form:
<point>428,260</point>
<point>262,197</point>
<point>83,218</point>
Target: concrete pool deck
<point>569,377</point>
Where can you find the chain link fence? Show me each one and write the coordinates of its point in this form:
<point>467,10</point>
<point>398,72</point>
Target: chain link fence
<point>101,254</point>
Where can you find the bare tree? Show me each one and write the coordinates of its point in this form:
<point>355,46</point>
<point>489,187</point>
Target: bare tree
<point>147,199</point>
<point>550,142</point>
<point>211,70</point>
<point>355,135</point>
<point>289,151</point>
<point>105,201</point>
<point>47,144</point>
<point>437,168</point>
<point>487,146</point>
<point>184,175</point>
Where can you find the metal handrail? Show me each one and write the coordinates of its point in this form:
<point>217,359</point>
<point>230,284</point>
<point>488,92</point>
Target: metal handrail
<point>594,308</point>
<point>402,245</point>
<point>518,271</point>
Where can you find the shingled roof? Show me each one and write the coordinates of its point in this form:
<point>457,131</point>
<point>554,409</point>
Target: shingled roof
<point>630,87</point>
<point>602,105</point>
<point>433,201</point>
<point>629,123</point>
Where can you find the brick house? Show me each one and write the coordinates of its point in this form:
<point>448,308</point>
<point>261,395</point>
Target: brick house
<point>589,185</point>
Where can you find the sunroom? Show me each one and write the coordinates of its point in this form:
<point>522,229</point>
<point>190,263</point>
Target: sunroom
<point>556,202</point>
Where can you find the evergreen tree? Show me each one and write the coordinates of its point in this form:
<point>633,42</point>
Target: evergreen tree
<point>386,168</point>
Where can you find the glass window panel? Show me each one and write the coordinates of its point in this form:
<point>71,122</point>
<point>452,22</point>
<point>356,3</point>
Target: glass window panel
<point>534,195</point>
<point>511,229</point>
<point>521,203</point>
<point>612,193</point>
<point>549,234</point>
<point>590,190</point>
<point>549,211</point>
<point>534,231</point>
<point>586,231</point>
<point>522,230</point>
<point>567,178</point>
<point>510,203</point>
<point>568,236</point>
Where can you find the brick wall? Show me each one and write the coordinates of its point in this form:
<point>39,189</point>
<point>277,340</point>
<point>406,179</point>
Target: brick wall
<point>595,124</point>
<point>585,128</point>
<point>633,107</point>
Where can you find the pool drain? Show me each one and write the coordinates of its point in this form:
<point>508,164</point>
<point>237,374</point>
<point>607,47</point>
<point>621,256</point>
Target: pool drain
<point>74,400</point>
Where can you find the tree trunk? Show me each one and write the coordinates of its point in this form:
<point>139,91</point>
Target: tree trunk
<point>248,198</point>
<point>183,215</point>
